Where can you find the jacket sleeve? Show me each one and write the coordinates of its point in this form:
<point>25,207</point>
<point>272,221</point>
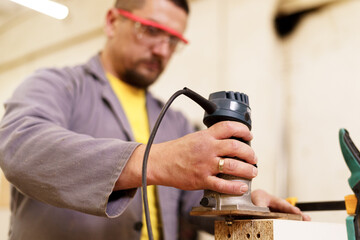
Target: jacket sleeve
<point>189,225</point>
<point>44,160</point>
<point>190,199</point>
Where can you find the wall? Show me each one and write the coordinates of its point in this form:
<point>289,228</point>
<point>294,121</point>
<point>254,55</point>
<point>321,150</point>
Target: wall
<point>302,89</point>
<point>226,53</point>
<point>323,57</point>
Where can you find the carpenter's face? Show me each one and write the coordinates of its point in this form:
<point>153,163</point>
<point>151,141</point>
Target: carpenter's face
<point>140,52</point>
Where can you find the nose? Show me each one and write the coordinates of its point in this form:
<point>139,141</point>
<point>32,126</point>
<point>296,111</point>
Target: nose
<point>162,48</point>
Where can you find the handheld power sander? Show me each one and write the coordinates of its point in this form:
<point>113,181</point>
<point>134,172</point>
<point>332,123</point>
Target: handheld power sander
<point>231,106</point>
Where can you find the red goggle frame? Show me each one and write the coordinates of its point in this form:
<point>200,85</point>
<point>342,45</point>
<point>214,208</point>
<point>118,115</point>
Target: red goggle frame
<point>152,24</point>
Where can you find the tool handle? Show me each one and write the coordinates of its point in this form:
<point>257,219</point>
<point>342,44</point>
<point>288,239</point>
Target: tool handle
<point>352,158</point>
<point>350,227</point>
<point>351,155</point>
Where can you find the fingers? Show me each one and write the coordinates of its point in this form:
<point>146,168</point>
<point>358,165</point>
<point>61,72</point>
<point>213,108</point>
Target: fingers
<point>263,199</point>
<point>284,206</point>
<point>228,129</point>
<point>237,149</point>
<point>225,146</point>
<point>305,217</point>
<point>225,186</point>
<point>231,167</point>
<point>238,168</point>
<point>195,158</point>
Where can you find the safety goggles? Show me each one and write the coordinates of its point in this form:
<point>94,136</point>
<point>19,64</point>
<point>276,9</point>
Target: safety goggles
<point>153,33</point>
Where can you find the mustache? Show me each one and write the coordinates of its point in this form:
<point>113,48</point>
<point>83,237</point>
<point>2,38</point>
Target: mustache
<point>153,60</point>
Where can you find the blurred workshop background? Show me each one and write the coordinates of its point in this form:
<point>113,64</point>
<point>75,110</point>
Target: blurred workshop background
<point>298,60</point>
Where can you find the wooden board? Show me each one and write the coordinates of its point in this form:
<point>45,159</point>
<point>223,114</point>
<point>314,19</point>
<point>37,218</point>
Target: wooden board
<point>244,230</point>
<point>245,214</point>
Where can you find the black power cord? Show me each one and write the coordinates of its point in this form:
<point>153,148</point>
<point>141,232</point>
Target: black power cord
<point>208,106</point>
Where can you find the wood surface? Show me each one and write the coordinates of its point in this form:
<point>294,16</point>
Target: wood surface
<point>244,230</point>
<point>245,214</point>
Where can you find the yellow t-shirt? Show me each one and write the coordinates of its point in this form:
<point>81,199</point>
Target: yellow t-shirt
<point>133,101</point>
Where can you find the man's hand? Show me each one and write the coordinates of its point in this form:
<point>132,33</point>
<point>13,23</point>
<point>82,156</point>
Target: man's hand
<point>192,162</point>
<point>263,199</point>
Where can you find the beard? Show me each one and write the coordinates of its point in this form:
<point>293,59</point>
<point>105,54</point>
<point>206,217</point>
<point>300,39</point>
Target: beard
<point>137,79</point>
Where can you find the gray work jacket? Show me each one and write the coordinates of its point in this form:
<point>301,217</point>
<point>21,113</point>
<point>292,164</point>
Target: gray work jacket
<point>64,141</point>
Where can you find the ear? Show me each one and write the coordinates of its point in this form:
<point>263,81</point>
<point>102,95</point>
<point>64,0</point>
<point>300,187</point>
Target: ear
<point>111,17</point>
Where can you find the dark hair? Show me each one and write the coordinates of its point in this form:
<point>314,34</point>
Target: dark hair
<point>130,5</point>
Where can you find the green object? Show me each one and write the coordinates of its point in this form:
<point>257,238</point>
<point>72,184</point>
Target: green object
<point>350,227</point>
<point>352,158</point>
<point>351,155</point>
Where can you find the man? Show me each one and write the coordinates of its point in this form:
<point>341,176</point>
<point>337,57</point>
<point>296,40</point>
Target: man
<point>70,140</point>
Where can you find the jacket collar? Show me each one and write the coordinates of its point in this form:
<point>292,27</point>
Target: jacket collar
<point>95,68</point>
